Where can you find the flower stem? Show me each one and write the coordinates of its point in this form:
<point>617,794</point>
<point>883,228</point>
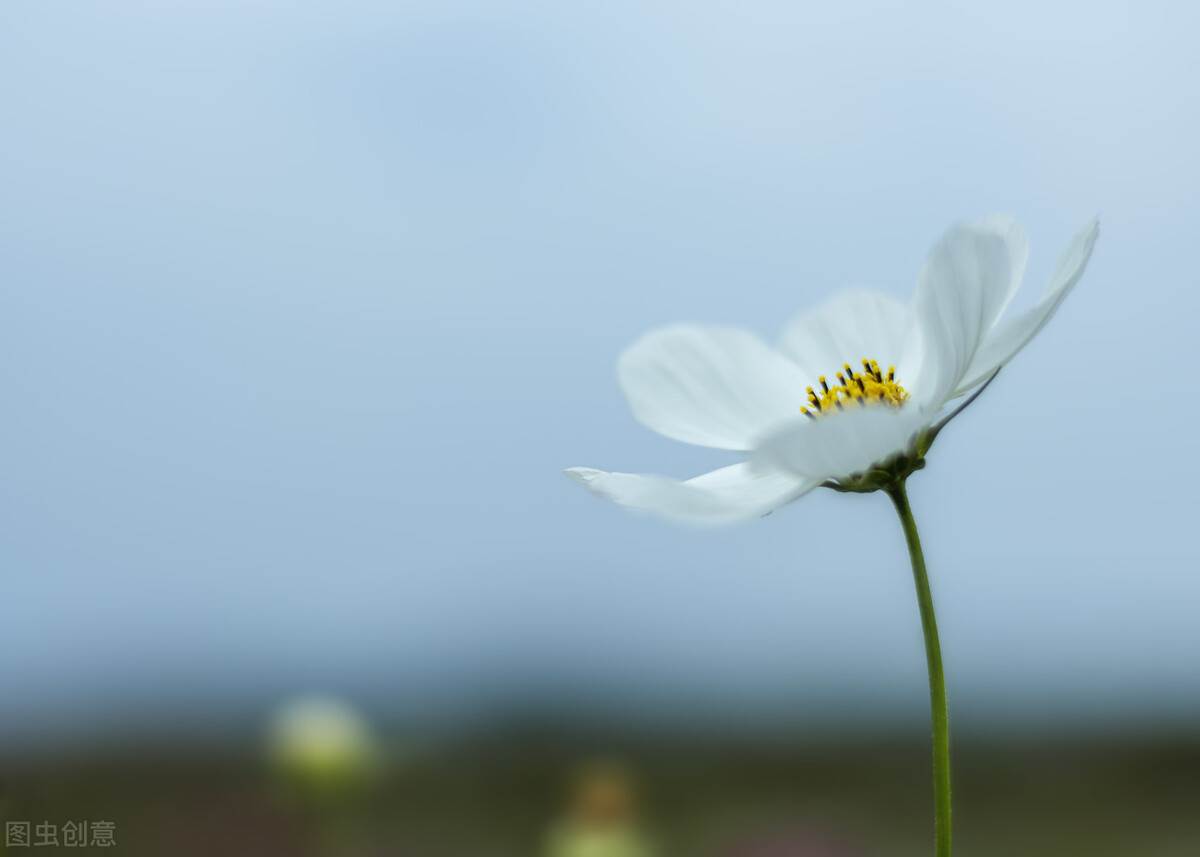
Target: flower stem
<point>939,711</point>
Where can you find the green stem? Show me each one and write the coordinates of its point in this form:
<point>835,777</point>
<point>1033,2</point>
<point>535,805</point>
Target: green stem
<point>939,712</point>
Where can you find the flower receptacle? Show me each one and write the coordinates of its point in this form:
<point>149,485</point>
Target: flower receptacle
<point>888,474</point>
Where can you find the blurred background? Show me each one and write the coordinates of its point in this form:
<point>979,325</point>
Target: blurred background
<point>304,307</point>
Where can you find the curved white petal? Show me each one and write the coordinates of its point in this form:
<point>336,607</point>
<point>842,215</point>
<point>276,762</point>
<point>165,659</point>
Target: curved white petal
<point>841,444</point>
<point>712,386</point>
<point>968,280</point>
<point>1012,334</point>
<point>1016,245</point>
<point>735,493</point>
<point>852,325</point>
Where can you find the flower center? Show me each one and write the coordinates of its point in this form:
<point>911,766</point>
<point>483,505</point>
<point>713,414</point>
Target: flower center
<point>868,387</point>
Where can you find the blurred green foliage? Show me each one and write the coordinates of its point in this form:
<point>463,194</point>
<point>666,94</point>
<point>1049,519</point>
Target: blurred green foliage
<point>521,797</point>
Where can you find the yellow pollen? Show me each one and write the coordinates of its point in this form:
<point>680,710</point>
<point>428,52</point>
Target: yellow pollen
<point>868,386</point>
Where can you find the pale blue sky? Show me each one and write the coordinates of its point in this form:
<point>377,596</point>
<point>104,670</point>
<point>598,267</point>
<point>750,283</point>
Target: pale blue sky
<point>305,306</point>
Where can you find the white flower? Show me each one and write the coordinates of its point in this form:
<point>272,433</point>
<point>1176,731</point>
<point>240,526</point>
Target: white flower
<point>724,388</point>
<point>320,740</point>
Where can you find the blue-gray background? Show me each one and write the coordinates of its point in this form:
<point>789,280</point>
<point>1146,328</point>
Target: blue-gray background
<point>305,306</point>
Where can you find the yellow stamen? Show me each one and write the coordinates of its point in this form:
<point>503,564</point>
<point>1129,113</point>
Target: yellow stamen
<point>870,387</point>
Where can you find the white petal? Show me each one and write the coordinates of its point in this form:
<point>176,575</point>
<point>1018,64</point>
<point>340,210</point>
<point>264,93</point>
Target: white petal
<point>1016,245</point>
<point>1012,334</point>
<point>968,280</point>
<point>713,386</point>
<point>853,324</point>
<point>840,444</point>
<point>735,493</point>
